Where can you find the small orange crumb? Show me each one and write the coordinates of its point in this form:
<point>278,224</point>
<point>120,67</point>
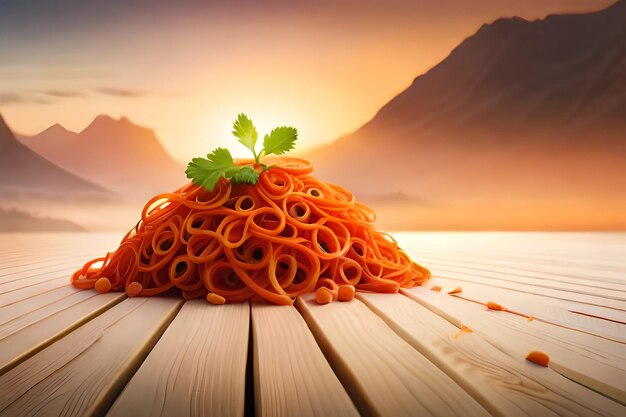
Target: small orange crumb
<point>494,306</point>
<point>103,285</point>
<point>346,292</point>
<point>457,290</point>
<point>464,330</point>
<point>531,318</point>
<point>215,298</point>
<point>540,358</point>
<point>436,288</point>
<point>323,295</point>
<point>133,289</point>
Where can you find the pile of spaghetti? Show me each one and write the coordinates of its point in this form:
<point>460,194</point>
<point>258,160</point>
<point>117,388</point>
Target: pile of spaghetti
<point>287,235</point>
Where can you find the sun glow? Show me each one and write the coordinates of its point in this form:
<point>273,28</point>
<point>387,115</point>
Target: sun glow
<point>188,74</point>
<point>216,129</point>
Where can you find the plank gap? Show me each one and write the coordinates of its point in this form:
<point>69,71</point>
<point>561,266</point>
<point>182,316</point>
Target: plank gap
<point>38,347</point>
<point>249,401</point>
<point>593,365</point>
<point>503,384</point>
<point>355,391</point>
<point>127,374</point>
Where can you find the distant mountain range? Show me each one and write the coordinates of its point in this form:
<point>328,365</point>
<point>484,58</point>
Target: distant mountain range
<point>18,221</point>
<point>117,154</point>
<point>24,172</point>
<point>523,123</point>
<point>522,126</point>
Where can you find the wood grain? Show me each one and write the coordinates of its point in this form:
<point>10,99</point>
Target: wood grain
<point>27,270</point>
<point>30,332</point>
<point>598,256</point>
<point>13,296</point>
<point>608,313</point>
<point>64,269</point>
<point>82,373</point>
<point>383,374</point>
<point>198,367</point>
<point>566,268</point>
<point>592,256</point>
<point>25,312</point>
<point>590,362</point>
<point>291,375</point>
<point>63,276</point>
<point>599,321</point>
<point>28,259</point>
<point>581,286</point>
<point>533,272</point>
<point>600,296</point>
<point>504,385</point>
<point>64,352</point>
<point>555,293</point>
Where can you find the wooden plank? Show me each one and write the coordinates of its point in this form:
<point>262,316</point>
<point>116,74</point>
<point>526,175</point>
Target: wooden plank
<point>67,266</point>
<point>82,373</point>
<point>36,275</point>
<point>599,321</point>
<point>34,259</point>
<point>583,251</point>
<point>383,374</point>
<point>17,282</point>
<point>594,365</point>
<point>17,295</point>
<point>608,351</point>
<point>35,242</point>
<point>598,256</point>
<point>29,258</point>
<point>291,375</point>
<point>198,367</point>
<point>44,304</point>
<point>592,310</point>
<point>595,300</point>
<point>44,277</point>
<point>20,282</point>
<point>504,385</point>
<point>26,248</point>
<point>569,253</point>
<point>524,274</point>
<point>33,331</point>
<point>569,265</point>
<point>608,271</point>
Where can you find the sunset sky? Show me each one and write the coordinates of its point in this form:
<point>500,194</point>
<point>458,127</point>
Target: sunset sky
<point>186,68</point>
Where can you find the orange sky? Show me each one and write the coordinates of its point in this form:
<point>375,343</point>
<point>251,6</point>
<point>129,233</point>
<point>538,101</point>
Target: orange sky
<point>188,70</point>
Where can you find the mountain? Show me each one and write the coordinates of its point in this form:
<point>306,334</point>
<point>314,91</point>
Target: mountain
<point>118,154</point>
<point>522,122</point>
<point>18,221</point>
<point>23,172</point>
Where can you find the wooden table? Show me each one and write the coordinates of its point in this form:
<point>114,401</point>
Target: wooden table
<point>421,352</point>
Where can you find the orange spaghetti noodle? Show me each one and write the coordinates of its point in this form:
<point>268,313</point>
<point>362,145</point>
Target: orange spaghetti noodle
<point>285,236</point>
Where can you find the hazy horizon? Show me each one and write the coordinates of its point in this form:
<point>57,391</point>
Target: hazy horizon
<point>513,130</point>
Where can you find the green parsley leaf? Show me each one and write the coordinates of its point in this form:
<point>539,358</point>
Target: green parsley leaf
<point>245,130</point>
<point>245,175</point>
<point>280,140</point>
<point>206,172</point>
